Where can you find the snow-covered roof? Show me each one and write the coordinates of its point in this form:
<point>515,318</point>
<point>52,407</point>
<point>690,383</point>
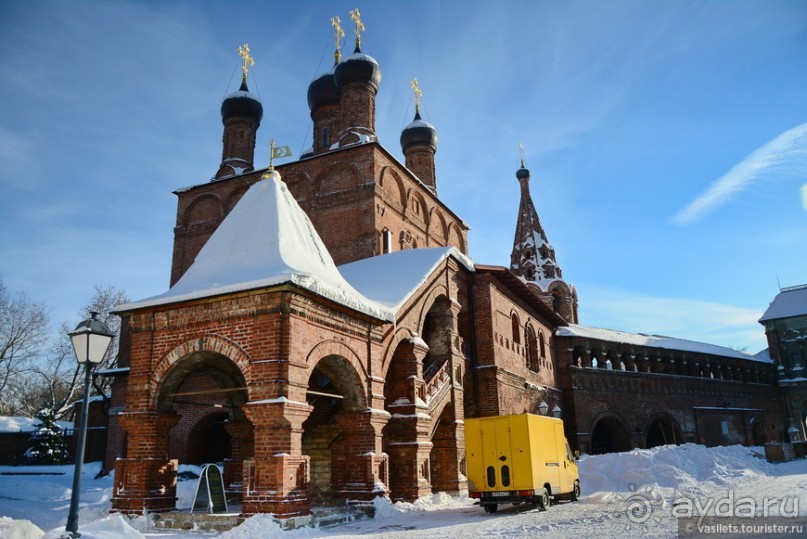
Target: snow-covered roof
<point>653,341</point>
<point>26,424</point>
<point>266,240</point>
<point>791,301</point>
<point>390,279</point>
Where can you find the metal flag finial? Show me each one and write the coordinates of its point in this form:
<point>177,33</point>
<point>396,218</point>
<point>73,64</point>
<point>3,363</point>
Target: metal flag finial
<point>418,93</point>
<point>356,16</point>
<point>338,35</point>
<point>243,52</point>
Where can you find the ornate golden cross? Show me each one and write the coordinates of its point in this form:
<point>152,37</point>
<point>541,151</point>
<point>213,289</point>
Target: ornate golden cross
<point>356,16</point>
<point>243,52</point>
<point>418,92</point>
<point>338,35</point>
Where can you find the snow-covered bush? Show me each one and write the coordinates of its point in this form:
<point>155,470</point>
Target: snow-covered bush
<point>48,444</point>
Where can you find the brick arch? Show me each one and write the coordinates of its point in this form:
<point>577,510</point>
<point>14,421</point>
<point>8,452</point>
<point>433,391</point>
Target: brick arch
<point>415,195</point>
<point>335,348</point>
<point>392,184</point>
<point>338,178</point>
<point>402,333</point>
<point>428,302</point>
<point>202,343</point>
<point>301,187</point>
<point>204,208</point>
<point>234,197</point>
<point>455,238</point>
<point>662,424</point>
<point>438,229</point>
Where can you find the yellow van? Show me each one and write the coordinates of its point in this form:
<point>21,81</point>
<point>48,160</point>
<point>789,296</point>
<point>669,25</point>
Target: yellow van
<point>519,458</point>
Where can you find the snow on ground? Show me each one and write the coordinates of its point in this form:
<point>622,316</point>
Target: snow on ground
<point>638,493</point>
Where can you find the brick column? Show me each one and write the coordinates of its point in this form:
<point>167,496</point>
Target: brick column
<point>276,477</point>
<point>360,468</point>
<point>242,439</point>
<point>407,434</point>
<point>146,480</point>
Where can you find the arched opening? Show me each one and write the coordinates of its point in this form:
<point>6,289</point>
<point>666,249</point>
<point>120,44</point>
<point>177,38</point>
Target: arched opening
<point>609,436</point>
<point>334,388</point>
<point>437,328</point>
<point>663,431</point>
<point>206,390</point>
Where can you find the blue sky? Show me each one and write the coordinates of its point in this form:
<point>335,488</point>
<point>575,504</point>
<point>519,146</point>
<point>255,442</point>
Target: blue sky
<point>667,140</point>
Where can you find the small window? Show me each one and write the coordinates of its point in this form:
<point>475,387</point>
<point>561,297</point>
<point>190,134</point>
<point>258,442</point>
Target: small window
<point>542,344</point>
<point>505,475</point>
<point>386,241</point>
<point>325,133</point>
<point>491,476</point>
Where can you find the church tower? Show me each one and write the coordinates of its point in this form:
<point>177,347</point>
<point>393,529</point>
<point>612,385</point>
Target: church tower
<point>419,144</point>
<point>241,114</point>
<point>533,257</point>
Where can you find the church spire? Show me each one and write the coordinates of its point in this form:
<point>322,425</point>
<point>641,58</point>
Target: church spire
<point>533,257</point>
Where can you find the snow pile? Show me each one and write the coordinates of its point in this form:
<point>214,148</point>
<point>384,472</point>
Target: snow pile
<point>257,527</point>
<point>19,529</point>
<point>433,502</point>
<point>689,468</point>
<point>110,527</point>
<point>10,423</point>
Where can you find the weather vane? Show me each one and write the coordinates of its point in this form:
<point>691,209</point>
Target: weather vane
<point>418,93</point>
<point>338,35</point>
<point>356,16</point>
<point>521,153</point>
<point>243,52</point>
<point>275,152</point>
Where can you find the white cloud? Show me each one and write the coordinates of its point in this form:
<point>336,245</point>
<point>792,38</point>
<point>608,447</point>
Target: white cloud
<point>786,155</point>
<point>693,319</point>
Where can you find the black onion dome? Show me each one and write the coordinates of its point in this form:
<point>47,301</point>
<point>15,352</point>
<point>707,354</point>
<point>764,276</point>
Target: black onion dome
<point>522,173</point>
<point>418,132</point>
<point>322,91</point>
<point>358,67</point>
<point>242,103</point>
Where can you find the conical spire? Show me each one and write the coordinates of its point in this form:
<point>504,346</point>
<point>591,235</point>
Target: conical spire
<point>533,257</point>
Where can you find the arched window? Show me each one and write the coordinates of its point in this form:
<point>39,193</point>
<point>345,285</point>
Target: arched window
<point>541,344</point>
<point>386,241</point>
<point>516,328</point>
<point>532,349</point>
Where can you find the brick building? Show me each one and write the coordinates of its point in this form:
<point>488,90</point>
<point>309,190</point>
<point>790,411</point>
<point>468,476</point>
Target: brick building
<point>785,322</point>
<point>326,333</point>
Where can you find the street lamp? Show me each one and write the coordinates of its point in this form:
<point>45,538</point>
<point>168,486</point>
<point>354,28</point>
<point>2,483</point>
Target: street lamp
<point>556,411</point>
<point>543,407</point>
<point>90,339</point>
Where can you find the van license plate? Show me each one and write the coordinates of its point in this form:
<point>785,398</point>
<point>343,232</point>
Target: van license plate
<point>499,494</point>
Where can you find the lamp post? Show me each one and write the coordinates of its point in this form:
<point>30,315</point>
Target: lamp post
<point>90,340</point>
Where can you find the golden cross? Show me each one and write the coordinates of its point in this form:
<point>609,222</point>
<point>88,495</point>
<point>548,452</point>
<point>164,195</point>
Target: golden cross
<point>338,35</point>
<point>521,153</point>
<point>418,92</point>
<point>243,52</point>
<point>356,16</point>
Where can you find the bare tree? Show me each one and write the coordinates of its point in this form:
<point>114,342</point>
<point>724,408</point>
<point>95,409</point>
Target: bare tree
<point>105,299</point>
<point>23,336</point>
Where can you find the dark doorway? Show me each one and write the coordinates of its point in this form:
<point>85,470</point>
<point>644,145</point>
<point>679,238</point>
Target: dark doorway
<point>663,431</point>
<point>609,436</point>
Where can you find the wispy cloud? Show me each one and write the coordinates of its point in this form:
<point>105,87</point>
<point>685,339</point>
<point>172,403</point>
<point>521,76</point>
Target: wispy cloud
<point>786,155</point>
<point>697,320</point>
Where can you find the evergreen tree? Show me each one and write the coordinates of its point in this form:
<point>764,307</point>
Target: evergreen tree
<point>48,445</point>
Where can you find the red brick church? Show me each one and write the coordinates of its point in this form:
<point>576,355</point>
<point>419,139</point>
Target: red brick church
<point>326,333</point>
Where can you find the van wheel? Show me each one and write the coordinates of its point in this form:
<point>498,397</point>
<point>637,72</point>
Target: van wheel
<point>492,508</point>
<point>543,500</point>
<point>575,495</point>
